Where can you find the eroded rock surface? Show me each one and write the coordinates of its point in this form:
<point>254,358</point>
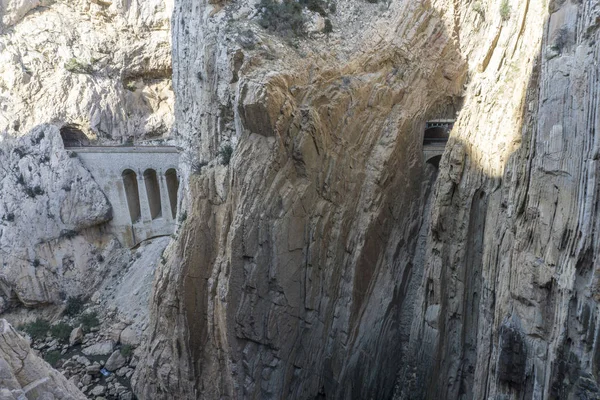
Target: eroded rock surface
<point>102,66</point>
<point>49,201</point>
<point>290,274</point>
<point>24,375</point>
<point>511,265</point>
<point>311,266</point>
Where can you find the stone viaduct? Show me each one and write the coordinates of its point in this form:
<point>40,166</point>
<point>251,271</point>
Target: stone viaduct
<point>141,183</point>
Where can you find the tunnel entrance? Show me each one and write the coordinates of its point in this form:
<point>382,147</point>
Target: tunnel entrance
<point>132,194</point>
<point>153,193</point>
<point>72,136</point>
<point>172,188</point>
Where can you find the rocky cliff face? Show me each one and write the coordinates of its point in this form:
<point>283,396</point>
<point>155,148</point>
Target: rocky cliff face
<point>49,202</point>
<point>99,68</point>
<point>103,66</point>
<point>508,306</point>
<point>326,258</point>
<point>24,375</point>
<point>312,266</point>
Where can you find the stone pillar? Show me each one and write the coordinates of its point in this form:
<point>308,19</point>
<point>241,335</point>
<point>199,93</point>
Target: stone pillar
<point>164,197</point>
<point>144,204</point>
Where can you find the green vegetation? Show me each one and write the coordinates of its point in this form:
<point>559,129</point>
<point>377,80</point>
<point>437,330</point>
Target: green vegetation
<point>478,8</point>
<point>328,27</point>
<point>89,321</point>
<point>20,152</point>
<point>505,10</point>
<point>126,350</point>
<point>74,306</point>
<point>197,167</point>
<point>52,357</point>
<point>21,179</point>
<point>77,67</point>
<point>61,331</point>
<point>561,39</point>
<point>225,153</point>
<point>182,216</point>
<point>130,86</point>
<point>33,191</point>
<point>284,18</point>
<point>317,6</point>
<point>37,329</point>
<point>68,233</point>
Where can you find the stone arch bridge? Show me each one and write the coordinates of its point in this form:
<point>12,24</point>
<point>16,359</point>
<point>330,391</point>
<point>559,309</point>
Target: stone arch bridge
<point>435,138</point>
<point>141,183</point>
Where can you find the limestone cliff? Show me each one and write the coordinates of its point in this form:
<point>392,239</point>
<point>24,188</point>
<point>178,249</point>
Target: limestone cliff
<point>99,68</point>
<point>508,304</point>
<point>319,254</point>
<point>49,201</point>
<point>102,66</point>
<point>311,266</point>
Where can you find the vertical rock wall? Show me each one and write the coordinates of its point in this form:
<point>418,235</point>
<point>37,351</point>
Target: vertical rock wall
<point>507,307</point>
<point>290,273</point>
<point>309,266</point>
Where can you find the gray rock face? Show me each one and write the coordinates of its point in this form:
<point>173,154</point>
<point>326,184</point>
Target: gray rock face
<point>76,336</point>
<point>24,375</point>
<point>130,337</point>
<point>102,66</point>
<point>513,221</point>
<point>48,201</point>
<point>315,261</point>
<point>290,275</point>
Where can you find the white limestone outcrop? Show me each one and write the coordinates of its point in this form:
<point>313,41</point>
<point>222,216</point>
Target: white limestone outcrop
<point>48,202</point>
<point>104,66</point>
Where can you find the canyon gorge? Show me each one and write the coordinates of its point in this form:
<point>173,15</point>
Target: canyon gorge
<point>209,199</point>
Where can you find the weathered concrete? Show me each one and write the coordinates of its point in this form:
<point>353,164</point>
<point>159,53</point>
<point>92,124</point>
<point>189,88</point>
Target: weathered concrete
<point>107,165</point>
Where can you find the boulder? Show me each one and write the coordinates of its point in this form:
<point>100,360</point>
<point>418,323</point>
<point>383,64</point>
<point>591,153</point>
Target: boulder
<point>76,336</point>
<point>100,349</point>
<point>98,390</point>
<point>24,375</point>
<point>130,337</point>
<point>115,361</point>
<point>93,369</point>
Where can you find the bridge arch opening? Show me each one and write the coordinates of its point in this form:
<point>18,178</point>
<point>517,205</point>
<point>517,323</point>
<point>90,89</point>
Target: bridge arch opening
<point>132,194</point>
<point>172,187</point>
<point>153,193</point>
<point>435,161</point>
